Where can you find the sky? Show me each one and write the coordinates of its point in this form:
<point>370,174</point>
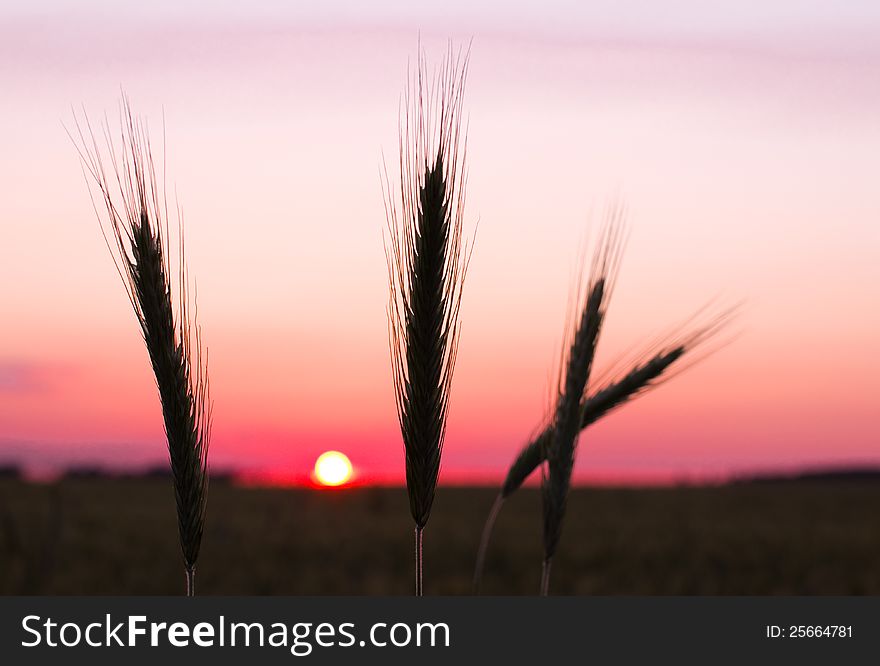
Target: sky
<point>743,138</point>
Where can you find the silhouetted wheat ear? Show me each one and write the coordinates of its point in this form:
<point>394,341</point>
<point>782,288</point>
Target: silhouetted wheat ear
<point>136,220</point>
<point>559,450</point>
<point>602,402</point>
<point>647,370</point>
<point>426,269</point>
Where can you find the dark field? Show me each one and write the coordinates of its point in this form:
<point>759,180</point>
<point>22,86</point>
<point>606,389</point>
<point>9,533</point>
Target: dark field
<point>105,536</point>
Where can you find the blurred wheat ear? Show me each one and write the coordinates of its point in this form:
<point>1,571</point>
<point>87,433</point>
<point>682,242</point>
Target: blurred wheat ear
<point>426,270</point>
<point>559,449</point>
<point>135,228</point>
<point>649,368</point>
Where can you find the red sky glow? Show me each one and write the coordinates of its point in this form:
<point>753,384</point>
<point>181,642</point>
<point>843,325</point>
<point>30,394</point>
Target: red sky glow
<point>748,159</point>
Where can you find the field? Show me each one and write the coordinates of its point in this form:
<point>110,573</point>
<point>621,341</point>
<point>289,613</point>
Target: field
<point>118,536</point>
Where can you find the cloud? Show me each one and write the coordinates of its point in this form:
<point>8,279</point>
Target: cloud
<point>24,377</point>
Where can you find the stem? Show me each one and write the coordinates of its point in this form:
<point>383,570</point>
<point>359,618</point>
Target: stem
<point>190,581</point>
<point>484,541</point>
<point>545,577</point>
<point>419,531</point>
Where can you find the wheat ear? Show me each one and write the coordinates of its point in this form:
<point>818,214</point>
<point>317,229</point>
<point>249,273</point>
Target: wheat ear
<point>426,269</point>
<point>559,450</point>
<point>651,367</point>
<point>135,227</point>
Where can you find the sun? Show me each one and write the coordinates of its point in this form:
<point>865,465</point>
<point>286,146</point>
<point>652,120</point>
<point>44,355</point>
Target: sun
<point>332,468</point>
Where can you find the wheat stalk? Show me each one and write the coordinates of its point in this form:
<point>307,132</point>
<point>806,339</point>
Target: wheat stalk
<point>651,367</point>
<point>426,268</point>
<point>135,228</point>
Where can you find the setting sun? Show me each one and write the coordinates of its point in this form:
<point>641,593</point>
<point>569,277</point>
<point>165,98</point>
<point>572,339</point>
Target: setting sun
<point>332,468</point>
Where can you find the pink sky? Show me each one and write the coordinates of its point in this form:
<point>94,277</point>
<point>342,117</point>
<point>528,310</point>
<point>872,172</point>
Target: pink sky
<point>747,153</point>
